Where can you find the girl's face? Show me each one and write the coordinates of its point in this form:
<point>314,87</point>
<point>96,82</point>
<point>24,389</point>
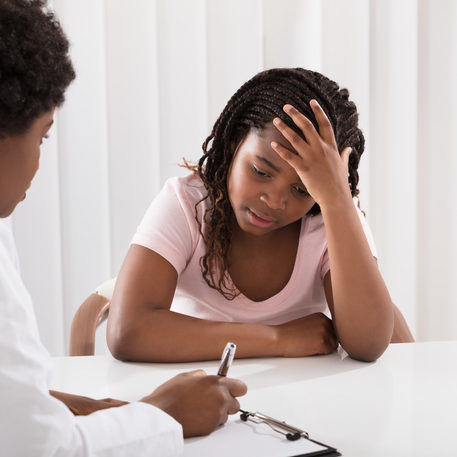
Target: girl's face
<point>19,160</point>
<point>265,191</point>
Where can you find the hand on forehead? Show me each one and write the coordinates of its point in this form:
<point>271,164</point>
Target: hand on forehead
<point>258,144</point>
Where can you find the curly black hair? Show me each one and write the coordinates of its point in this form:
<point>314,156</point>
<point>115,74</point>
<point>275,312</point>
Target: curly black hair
<point>254,105</point>
<point>35,68</point>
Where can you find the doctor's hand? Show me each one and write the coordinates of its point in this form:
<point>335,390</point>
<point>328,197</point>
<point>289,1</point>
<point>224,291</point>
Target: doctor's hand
<point>199,402</point>
<point>82,406</point>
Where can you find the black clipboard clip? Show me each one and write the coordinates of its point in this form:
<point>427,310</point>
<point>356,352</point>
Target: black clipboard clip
<point>290,432</point>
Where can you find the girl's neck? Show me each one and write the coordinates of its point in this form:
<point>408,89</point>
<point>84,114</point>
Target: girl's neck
<point>258,241</point>
<point>261,266</point>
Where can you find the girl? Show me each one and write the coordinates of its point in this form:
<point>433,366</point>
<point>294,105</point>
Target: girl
<point>262,240</point>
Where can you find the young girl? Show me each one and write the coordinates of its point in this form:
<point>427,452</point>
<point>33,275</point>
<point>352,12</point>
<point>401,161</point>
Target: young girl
<point>262,240</point>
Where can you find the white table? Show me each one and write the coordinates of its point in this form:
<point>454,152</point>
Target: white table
<point>405,404</point>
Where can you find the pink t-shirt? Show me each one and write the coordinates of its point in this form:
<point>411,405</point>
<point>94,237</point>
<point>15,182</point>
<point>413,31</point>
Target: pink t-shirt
<point>170,229</point>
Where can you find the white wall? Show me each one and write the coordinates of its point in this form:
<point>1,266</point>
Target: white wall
<point>153,75</point>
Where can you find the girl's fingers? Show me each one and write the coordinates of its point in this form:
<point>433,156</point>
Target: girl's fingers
<point>303,123</point>
<point>290,135</point>
<point>292,158</point>
<point>325,127</point>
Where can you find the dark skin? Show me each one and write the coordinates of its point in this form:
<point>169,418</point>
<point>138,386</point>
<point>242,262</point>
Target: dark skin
<point>199,402</point>
<point>141,325</point>
<point>151,339</point>
<point>82,406</point>
<point>254,266</point>
<point>363,313</point>
<point>183,397</point>
<point>269,194</point>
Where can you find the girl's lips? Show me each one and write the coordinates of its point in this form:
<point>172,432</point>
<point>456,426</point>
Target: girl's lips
<point>259,221</point>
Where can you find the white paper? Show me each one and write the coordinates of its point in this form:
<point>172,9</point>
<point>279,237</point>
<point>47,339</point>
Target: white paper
<point>237,438</point>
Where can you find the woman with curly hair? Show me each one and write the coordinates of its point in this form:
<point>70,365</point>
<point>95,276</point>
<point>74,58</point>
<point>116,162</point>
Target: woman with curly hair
<point>263,242</point>
<point>35,71</point>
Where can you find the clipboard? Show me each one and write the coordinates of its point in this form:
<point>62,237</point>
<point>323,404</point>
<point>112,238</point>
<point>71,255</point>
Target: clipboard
<point>255,433</point>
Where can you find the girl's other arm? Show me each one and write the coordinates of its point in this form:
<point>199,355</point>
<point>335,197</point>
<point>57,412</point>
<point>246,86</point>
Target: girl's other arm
<point>362,309</point>
<point>401,332</point>
<point>141,326</point>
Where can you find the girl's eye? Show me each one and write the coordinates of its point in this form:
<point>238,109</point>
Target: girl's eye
<point>258,172</point>
<point>44,138</point>
<point>301,191</point>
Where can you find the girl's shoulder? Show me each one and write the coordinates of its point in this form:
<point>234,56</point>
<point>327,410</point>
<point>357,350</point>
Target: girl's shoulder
<point>187,192</point>
<point>190,184</point>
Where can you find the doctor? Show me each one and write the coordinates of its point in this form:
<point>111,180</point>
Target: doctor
<point>35,71</point>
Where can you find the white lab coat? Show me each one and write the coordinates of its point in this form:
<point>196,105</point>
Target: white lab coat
<point>32,423</point>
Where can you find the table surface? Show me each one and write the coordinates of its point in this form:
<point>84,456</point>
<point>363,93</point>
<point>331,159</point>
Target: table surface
<point>404,404</point>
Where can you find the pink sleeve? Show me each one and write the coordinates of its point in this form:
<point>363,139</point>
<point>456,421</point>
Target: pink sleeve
<point>169,226</point>
<point>324,264</point>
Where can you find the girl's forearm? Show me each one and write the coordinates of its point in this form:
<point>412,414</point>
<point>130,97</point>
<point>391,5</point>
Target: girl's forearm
<point>363,310</point>
<point>165,336</point>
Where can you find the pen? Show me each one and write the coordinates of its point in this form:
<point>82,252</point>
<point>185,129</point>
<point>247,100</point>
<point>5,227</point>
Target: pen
<point>226,359</point>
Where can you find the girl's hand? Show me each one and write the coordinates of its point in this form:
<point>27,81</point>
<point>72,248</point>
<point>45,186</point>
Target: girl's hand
<point>321,168</point>
<point>310,335</point>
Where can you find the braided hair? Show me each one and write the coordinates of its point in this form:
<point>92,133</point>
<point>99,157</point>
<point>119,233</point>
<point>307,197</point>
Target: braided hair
<point>253,106</point>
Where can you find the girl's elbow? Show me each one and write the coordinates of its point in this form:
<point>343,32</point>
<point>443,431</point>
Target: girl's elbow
<point>366,350</point>
<point>134,342</point>
<point>372,343</point>
<point>365,355</point>
<point>118,350</point>
<point>119,341</point>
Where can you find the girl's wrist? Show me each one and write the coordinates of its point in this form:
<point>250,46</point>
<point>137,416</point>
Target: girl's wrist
<point>277,341</point>
<point>278,338</point>
<point>269,338</point>
<point>338,204</point>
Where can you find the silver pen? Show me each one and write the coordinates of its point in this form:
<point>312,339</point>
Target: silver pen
<point>226,359</point>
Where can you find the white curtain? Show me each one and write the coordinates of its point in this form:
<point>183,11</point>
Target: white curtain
<point>153,75</point>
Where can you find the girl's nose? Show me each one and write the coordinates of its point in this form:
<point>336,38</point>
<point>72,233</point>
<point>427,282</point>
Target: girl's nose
<point>274,200</point>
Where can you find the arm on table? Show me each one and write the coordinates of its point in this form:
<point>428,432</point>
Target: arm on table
<point>361,307</point>
<point>358,299</point>
<point>141,326</point>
